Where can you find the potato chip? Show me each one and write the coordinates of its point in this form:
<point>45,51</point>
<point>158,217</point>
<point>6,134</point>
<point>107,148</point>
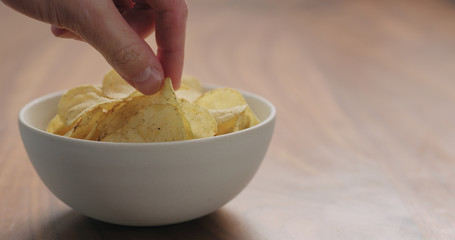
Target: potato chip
<point>221,98</point>
<point>143,118</point>
<point>119,117</point>
<point>114,86</point>
<point>87,127</point>
<point>222,103</point>
<point>243,121</point>
<point>166,95</point>
<point>57,126</point>
<point>190,89</point>
<point>192,83</point>
<point>117,112</point>
<point>227,118</point>
<point>252,118</point>
<point>154,123</point>
<point>201,121</point>
<point>75,102</point>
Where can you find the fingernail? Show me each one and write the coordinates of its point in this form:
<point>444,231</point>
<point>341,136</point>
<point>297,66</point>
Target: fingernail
<point>149,81</point>
<point>58,31</point>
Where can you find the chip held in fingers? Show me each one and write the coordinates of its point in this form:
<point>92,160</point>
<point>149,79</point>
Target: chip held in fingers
<point>116,112</point>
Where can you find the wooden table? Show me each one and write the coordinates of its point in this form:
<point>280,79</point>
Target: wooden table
<point>364,146</point>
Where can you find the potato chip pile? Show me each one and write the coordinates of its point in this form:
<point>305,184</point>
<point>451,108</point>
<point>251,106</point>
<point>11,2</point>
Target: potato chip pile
<point>116,112</point>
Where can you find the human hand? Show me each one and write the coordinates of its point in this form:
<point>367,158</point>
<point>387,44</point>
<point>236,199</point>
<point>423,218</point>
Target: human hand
<point>116,28</point>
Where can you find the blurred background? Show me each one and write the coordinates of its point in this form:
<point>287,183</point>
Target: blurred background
<point>365,93</point>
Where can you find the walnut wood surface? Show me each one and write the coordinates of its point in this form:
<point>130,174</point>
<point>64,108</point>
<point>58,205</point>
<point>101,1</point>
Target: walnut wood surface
<point>364,146</point>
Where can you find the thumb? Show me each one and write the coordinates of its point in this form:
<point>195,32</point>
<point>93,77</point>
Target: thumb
<point>108,32</point>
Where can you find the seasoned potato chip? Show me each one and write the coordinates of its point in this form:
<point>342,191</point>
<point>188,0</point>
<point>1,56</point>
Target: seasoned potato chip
<point>154,123</point>
<point>147,114</point>
<point>201,121</point>
<point>114,86</point>
<point>166,95</point>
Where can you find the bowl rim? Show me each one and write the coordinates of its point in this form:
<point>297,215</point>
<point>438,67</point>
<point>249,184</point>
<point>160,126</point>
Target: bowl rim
<point>270,118</point>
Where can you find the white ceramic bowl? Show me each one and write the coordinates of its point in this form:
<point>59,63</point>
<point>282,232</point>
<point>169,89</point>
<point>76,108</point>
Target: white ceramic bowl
<point>145,184</point>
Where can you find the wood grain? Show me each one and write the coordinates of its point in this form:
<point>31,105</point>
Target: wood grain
<point>364,142</point>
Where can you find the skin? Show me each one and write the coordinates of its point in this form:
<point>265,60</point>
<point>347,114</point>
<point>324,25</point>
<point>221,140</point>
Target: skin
<point>117,28</point>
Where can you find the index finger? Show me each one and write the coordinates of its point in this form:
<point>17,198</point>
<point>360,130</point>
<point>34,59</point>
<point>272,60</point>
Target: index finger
<point>170,27</point>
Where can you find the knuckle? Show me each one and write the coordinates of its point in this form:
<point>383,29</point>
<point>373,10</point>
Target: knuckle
<point>125,55</point>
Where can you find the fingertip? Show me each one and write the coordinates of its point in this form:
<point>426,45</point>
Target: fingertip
<point>58,31</point>
<point>63,33</point>
<point>176,83</point>
<point>148,81</point>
